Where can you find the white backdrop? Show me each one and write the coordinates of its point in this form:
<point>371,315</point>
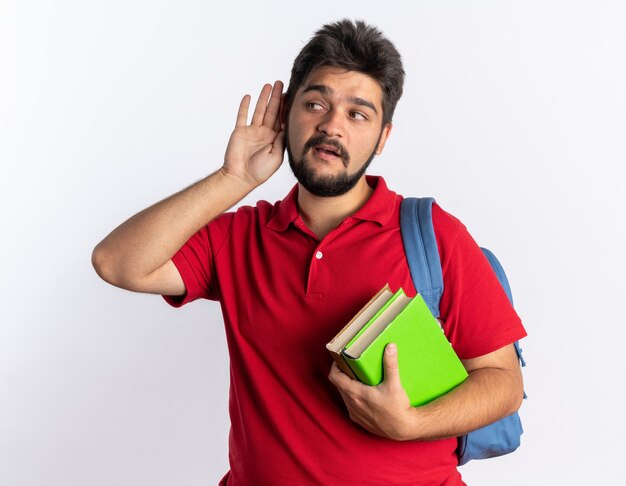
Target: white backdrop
<point>513,117</point>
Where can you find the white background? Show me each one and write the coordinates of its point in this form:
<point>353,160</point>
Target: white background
<point>513,117</point>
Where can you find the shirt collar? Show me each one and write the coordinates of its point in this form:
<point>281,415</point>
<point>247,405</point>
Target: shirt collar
<point>284,212</point>
<point>378,208</point>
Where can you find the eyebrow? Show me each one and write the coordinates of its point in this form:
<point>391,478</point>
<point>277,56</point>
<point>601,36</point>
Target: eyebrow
<point>325,90</point>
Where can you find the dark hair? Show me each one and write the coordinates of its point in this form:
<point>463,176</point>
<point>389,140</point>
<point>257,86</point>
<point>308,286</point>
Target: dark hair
<point>354,46</point>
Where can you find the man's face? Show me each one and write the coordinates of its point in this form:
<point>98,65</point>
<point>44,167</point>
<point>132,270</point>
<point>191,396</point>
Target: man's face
<point>334,130</point>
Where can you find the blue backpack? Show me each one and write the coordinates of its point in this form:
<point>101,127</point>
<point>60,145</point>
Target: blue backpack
<point>418,236</point>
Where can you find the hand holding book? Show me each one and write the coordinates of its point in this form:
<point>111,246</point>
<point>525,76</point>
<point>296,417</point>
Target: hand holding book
<point>428,366</point>
<point>385,409</point>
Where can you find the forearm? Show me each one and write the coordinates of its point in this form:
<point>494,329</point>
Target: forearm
<point>487,395</point>
<point>147,240</point>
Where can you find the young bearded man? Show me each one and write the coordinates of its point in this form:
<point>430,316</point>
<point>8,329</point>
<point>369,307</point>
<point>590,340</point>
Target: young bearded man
<point>289,275</point>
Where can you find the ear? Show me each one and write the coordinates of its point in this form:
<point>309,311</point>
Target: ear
<point>383,138</point>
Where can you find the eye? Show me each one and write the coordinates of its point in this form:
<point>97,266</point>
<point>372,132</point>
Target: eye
<point>357,115</point>
<point>314,106</point>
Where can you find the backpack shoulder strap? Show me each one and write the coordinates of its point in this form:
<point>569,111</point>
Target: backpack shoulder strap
<point>420,247</point>
<point>422,254</point>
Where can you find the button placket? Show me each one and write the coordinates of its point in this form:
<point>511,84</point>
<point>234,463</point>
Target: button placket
<point>317,259</point>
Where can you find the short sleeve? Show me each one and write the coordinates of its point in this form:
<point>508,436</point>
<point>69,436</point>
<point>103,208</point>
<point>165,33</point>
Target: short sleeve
<point>476,314</point>
<point>195,262</point>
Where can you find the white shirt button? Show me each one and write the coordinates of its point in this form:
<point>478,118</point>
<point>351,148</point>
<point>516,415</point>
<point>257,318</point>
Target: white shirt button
<point>319,255</point>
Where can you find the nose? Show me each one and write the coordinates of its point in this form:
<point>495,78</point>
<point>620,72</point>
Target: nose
<point>332,124</point>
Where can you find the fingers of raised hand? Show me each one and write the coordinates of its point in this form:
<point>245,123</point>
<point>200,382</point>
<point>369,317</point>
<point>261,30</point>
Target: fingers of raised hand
<point>272,113</point>
<point>267,106</point>
<point>242,114</point>
<point>261,106</point>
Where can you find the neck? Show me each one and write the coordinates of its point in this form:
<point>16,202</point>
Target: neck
<point>323,214</point>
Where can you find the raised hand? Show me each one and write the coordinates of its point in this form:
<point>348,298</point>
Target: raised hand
<point>255,150</point>
<point>137,254</point>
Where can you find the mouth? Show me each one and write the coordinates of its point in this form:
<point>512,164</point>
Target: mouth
<point>327,152</point>
<point>325,149</point>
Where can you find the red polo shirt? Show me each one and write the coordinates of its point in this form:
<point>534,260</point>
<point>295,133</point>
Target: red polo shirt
<point>285,294</point>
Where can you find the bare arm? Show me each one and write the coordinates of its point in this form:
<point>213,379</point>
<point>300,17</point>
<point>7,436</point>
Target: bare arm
<point>492,391</point>
<point>137,254</point>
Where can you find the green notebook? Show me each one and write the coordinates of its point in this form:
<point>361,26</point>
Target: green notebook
<point>428,365</point>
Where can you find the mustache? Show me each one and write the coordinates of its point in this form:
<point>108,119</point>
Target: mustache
<point>324,140</point>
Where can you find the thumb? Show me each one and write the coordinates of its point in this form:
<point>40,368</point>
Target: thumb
<point>390,365</point>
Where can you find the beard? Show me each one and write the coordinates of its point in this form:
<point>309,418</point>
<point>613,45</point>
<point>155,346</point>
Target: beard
<point>325,185</point>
